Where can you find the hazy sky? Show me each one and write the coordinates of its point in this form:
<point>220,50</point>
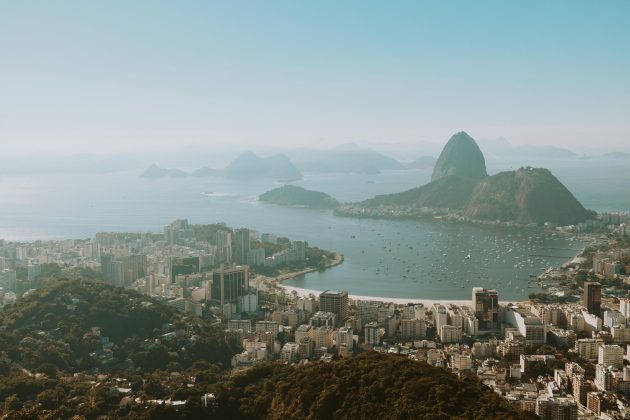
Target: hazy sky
<point>115,75</point>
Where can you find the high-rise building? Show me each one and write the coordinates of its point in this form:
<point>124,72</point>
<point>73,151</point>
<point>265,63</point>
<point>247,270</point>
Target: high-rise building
<point>587,348</point>
<point>299,247</point>
<point>580,388</point>
<point>113,270</point>
<point>262,327</point>
<point>256,257</point>
<point>450,334</point>
<point>624,307</point>
<point>223,243</point>
<point>367,311</point>
<point>228,284</point>
<point>241,246</point>
<point>440,317</point>
<point>595,402</point>
<point>528,325</point>
<point>8,280</point>
<point>413,329</point>
<point>322,337</point>
<point>593,297</point>
<point>556,408</point>
<point>604,377</point>
<point>485,303</point>
<point>323,318</point>
<point>344,336</point>
<point>176,231</point>
<point>610,355</point>
<point>186,265</point>
<point>123,270</point>
<point>336,302</point>
<point>372,334</point>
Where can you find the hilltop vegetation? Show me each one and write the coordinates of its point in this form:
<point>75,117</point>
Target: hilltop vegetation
<point>291,195</point>
<point>370,385</point>
<point>76,325</point>
<point>53,367</point>
<point>528,195</point>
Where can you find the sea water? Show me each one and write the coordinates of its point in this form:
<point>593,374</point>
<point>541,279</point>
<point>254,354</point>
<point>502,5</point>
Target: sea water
<point>414,259</point>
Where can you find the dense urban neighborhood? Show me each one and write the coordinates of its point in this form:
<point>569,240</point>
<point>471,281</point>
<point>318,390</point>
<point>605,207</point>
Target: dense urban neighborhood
<point>164,304</point>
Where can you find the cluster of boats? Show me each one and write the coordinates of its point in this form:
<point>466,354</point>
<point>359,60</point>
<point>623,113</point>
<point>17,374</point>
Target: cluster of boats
<point>505,260</point>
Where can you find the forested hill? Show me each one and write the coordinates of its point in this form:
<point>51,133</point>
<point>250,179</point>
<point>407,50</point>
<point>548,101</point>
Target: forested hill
<point>92,350</point>
<point>77,325</point>
<point>370,385</point>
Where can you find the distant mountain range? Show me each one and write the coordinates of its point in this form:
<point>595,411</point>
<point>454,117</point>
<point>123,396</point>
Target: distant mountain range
<point>502,148</point>
<point>460,183</point>
<point>344,159</point>
<point>246,166</point>
<point>423,162</point>
<point>616,155</point>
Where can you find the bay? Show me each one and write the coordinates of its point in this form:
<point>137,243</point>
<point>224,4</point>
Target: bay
<point>414,259</point>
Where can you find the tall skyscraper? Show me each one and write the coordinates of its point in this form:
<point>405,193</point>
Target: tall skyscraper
<point>228,284</point>
<point>183,265</point>
<point>241,246</point>
<point>548,407</point>
<point>113,270</point>
<point>336,302</point>
<point>485,303</point>
<point>593,297</point>
<point>175,231</point>
<point>223,242</point>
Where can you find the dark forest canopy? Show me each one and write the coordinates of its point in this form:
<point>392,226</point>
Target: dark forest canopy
<point>53,360</point>
<point>370,385</point>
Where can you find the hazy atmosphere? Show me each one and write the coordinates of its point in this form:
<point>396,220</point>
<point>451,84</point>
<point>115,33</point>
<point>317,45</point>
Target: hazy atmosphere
<point>314,209</point>
<point>110,77</point>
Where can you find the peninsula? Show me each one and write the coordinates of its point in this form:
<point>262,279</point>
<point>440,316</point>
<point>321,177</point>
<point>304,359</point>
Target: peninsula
<point>461,187</point>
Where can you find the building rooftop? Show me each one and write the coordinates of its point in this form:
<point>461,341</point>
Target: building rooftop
<point>334,293</point>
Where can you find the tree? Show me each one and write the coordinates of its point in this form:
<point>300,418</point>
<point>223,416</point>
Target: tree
<point>48,369</point>
<point>546,350</point>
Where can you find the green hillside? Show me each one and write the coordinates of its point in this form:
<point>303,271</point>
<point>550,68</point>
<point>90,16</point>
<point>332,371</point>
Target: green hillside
<point>76,325</point>
<point>370,385</point>
<point>460,184</point>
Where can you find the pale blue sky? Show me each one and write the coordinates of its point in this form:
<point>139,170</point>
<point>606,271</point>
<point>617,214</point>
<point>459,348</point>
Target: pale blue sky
<point>114,75</point>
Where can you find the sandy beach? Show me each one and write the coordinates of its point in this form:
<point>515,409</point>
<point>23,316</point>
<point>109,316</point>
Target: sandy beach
<point>399,301</point>
<point>277,281</point>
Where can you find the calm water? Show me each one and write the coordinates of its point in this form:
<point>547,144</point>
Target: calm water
<point>383,258</point>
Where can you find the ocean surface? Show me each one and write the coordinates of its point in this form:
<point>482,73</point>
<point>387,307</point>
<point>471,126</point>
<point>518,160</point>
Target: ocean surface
<point>425,259</point>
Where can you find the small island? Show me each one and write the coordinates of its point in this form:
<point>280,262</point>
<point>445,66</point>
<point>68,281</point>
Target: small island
<point>291,195</point>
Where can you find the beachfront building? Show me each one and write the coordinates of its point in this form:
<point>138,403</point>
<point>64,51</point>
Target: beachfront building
<point>485,303</point>
<point>336,302</point>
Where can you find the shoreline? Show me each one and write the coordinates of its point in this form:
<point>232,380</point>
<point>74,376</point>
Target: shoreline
<point>398,301</point>
<point>338,260</point>
<point>277,282</point>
